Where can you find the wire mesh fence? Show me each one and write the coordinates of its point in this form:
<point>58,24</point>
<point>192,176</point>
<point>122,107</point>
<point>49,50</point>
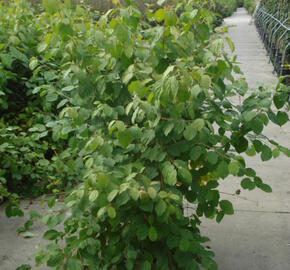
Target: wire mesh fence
<point>274,30</point>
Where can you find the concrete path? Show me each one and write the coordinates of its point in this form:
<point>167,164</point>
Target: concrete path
<point>257,237</point>
<point>16,250</point>
<point>252,55</point>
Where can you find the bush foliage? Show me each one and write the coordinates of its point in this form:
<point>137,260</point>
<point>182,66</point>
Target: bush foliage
<point>280,8</point>
<point>250,5</point>
<point>136,115</point>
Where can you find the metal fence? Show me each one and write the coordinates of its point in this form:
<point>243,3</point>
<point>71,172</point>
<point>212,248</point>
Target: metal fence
<point>275,34</point>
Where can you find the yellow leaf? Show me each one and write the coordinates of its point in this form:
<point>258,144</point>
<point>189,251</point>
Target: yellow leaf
<point>203,180</point>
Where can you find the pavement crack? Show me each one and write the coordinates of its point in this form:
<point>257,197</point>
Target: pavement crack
<point>263,211</point>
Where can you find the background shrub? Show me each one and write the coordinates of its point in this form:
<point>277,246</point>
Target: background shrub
<point>29,164</point>
<point>250,5</point>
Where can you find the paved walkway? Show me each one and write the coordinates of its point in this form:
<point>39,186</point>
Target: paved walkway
<point>257,237</point>
<point>15,249</point>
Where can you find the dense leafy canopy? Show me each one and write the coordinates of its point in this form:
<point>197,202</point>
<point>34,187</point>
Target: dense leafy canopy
<point>278,7</point>
<point>137,115</point>
<point>250,5</point>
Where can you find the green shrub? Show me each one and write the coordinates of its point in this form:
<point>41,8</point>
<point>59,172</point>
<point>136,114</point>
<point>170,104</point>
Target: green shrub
<point>142,109</point>
<point>223,9</point>
<point>20,152</point>
<point>250,5</point>
<point>29,164</point>
<point>240,3</point>
<point>226,8</point>
<point>278,7</point>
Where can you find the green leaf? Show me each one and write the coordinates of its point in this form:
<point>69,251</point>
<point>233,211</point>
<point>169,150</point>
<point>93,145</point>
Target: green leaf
<point>249,115</point>
<point>205,82</point>
<point>212,158</point>
<point>68,88</point>
<point>282,118</point>
<point>51,97</point>
<point>195,91</point>
<point>131,254</point>
<point>129,264</point>
<point>227,207</point>
<point>161,2</point>
<point>265,188</point>
<point>55,260</point>
<point>89,163</point>
<point>6,60</point>
<point>51,235</point>
<point>74,264</point>
<point>203,32</point>
<point>219,217</point>
<point>223,169</point>
<point>51,6</point>
<point>280,100</point>
<point>112,195</point>
<point>169,173</point>
<point>241,144</point>
<point>125,137</point>
<point>172,241</point>
<point>266,153</point>
<point>198,124</point>
<point>258,146</point>
<point>257,126</point>
<point>248,184</point>
<point>276,153</point>
<point>33,63</point>
<point>230,44</point>
<point>93,195</point>
<point>122,32</point>
<point>42,47</point>
<point>138,88</point>
<point>24,267</point>
<point>103,180</point>
<point>234,167</point>
<point>152,234</point>
<point>152,193</point>
<point>160,207</point>
<point>142,232</point>
<point>172,86</point>
<point>168,128</point>
<point>190,132</point>
<point>13,211</point>
<point>159,15</point>
<point>195,153</point>
<point>174,197</point>
<point>170,18</point>
<point>251,151</point>
<point>111,212</point>
<point>146,265</point>
<point>185,175</point>
<point>51,201</point>
<point>184,244</point>
<point>134,193</point>
<point>28,234</point>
